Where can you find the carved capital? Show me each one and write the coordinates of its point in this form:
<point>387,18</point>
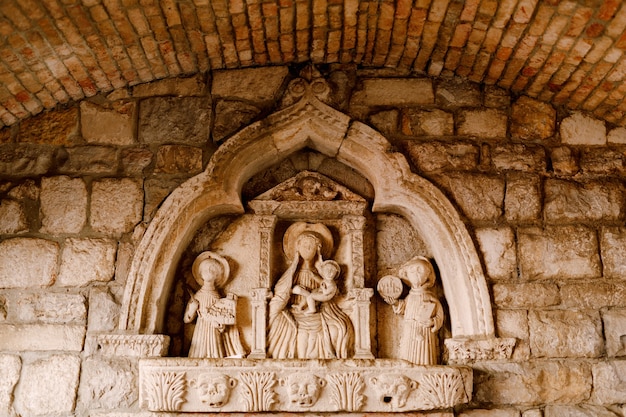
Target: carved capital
<point>260,294</point>
<point>139,345</point>
<point>466,351</point>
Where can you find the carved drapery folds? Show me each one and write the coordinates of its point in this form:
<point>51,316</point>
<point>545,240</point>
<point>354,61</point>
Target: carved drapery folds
<point>311,312</point>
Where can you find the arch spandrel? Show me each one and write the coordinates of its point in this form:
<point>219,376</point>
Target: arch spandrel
<point>313,124</point>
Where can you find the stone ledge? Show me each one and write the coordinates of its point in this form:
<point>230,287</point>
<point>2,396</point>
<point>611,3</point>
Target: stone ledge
<point>137,345</point>
<point>181,384</point>
<point>466,351</point>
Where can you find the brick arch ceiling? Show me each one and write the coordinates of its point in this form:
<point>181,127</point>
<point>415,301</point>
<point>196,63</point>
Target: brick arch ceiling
<point>568,52</point>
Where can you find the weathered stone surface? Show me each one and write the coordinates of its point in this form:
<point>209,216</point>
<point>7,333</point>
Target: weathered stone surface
<point>135,160</point>
<point>390,230</point>
<point>496,97</point>
<point>48,386</point>
<point>564,161</point>
<point>12,217</point>
<point>565,333</point>
<point>253,84</point>
<point>558,252</point>
<point>613,247</point>
<point>526,295</point>
<point>480,197</point>
<point>24,337</point>
<point>532,119</point>
<point>192,86</point>
<point>26,190</point>
<point>522,201</point>
<point>156,192</point>
<point>59,127</point>
<point>89,160</point>
<point>164,120</point>
<point>602,161</point>
<point>123,261</point>
<point>458,93</point>
<point>107,383</point>
<point>28,262</point>
<point>518,157</point>
<point>533,383</point>
<point>609,386</point>
<point>488,124</point>
<point>63,205</point>
<point>443,156</point>
<point>178,159</point>
<point>25,161</point>
<point>514,323</point>
<point>10,367</point>
<point>584,410</point>
<point>6,135</point>
<point>587,295</point>
<point>86,260</point>
<point>110,126</point>
<point>230,116</point>
<point>385,121</point>
<point>533,413</point>
<point>427,122</point>
<point>394,92</point>
<point>579,129</point>
<point>116,205</point>
<point>615,331</point>
<point>617,136</point>
<point>498,248</point>
<point>104,310</point>
<point>52,308</point>
<point>499,412</point>
<point>569,201</point>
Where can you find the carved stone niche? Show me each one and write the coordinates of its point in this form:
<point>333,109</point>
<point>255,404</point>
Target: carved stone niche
<point>301,282</point>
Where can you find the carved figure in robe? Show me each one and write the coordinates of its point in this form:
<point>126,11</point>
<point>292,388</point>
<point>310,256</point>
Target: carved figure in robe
<point>215,335</point>
<point>326,333</point>
<point>326,291</point>
<point>422,311</point>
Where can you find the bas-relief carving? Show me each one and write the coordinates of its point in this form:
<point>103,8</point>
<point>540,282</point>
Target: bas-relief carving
<point>315,303</point>
<point>215,334</point>
<point>312,386</point>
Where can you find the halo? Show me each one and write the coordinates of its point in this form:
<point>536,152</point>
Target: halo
<point>210,255</point>
<point>318,230</point>
<point>418,260</point>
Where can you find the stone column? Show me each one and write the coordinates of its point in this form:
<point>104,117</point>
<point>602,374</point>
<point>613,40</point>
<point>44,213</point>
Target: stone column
<point>353,227</point>
<point>261,294</point>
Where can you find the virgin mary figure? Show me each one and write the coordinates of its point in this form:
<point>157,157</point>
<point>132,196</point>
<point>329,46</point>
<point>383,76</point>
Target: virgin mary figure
<point>325,333</point>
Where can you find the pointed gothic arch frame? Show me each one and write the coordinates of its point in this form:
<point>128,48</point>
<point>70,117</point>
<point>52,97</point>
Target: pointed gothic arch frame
<point>313,124</point>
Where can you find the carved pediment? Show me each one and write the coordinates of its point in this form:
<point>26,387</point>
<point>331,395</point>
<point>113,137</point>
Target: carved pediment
<point>311,195</point>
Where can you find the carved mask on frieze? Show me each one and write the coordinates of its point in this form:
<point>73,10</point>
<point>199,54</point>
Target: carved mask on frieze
<point>214,389</point>
<point>304,389</point>
<point>393,389</point>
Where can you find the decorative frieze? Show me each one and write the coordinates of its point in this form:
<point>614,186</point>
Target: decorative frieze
<point>242,385</point>
<point>141,345</point>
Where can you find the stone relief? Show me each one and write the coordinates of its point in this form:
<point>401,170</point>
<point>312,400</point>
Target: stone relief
<point>299,328</point>
<point>214,389</point>
<point>215,334</point>
<point>304,321</point>
<point>422,311</point>
<point>393,389</point>
<point>164,391</point>
<point>304,389</point>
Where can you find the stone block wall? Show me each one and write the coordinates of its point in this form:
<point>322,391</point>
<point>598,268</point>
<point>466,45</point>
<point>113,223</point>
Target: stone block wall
<point>541,191</point>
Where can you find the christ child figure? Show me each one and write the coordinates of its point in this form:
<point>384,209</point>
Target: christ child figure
<point>329,270</point>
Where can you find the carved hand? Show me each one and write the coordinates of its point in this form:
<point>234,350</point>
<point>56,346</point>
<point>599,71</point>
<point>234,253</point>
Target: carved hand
<point>391,301</point>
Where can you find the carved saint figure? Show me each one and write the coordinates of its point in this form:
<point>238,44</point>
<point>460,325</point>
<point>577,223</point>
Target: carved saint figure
<point>215,335</point>
<point>423,313</point>
<point>304,389</point>
<point>214,389</point>
<point>311,333</point>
